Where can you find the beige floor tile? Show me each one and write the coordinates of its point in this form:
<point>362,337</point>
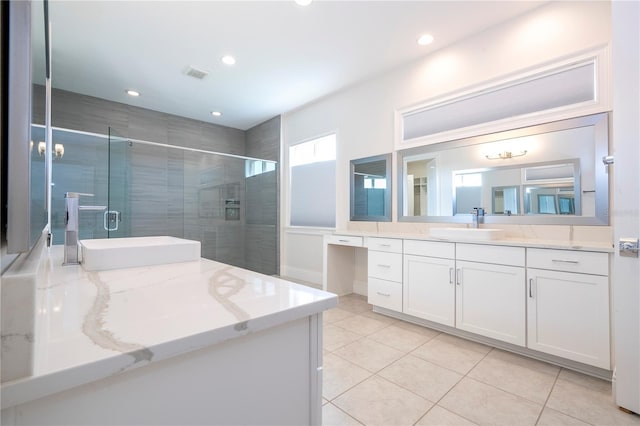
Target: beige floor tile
<point>379,402</point>
<point>339,375</point>
<point>379,317</point>
<point>361,325</point>
<point>369,354</point>
<point>399,338</point>
<point>354,303</point>
<point>425,331</point>
<point>333,416</point>
<point>452,352</point>
<point>551,417</point>
<point>484,404</point>
<point>438,416</point>
<point>586,381</point>
<point>335,314</point>
<point>421,377</point>
<point>590,405</point>
<point>336,337</point>
<point>519,375</point>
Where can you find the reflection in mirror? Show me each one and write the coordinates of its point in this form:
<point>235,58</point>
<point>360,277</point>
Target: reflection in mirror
<point>500,188</point>
<point>505,200</point>
<point>547,174</point>
<point>371,189</point>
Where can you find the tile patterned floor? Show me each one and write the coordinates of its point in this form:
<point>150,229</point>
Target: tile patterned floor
<point>382,371</point>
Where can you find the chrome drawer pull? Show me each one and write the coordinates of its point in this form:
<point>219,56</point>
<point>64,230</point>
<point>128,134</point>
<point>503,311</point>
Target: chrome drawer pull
<point>450,275</point>
<point>343,241</point>
<point>384,266</point>
<point>530,286</point>
<point>383,294</point>
<point>573,262</point>
<point>459,276</point>
<point>385,245</point>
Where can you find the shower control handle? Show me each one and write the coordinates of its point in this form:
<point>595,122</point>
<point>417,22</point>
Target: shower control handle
<point>111,220</point>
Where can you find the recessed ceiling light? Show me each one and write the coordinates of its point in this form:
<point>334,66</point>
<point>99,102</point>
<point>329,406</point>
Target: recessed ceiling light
<point>425,39</point>
<point>303,2</point>
<point>216,113</point>
<point>133,93</point>
<point>228,60</point>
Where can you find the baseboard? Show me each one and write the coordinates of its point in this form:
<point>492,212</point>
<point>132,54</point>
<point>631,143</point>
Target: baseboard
<point>360,287</point>
<point>308,276</point>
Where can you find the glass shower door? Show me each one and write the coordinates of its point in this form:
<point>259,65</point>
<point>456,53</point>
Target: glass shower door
<point>117,219</point>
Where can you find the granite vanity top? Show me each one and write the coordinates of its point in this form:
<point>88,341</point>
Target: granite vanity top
<point>93,325</point>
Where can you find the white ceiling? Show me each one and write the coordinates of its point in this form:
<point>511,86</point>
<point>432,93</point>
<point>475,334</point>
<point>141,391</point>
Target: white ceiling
<point>287,55</point>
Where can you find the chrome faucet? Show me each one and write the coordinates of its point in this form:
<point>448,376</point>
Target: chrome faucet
<point>477,216</point>
<point>71,228</point>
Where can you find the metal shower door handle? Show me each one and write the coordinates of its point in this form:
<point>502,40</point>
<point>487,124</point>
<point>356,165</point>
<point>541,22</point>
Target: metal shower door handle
<point>111,217</point>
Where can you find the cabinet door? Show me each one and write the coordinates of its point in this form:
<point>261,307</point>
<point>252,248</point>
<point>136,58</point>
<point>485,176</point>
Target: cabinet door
<point>429,290</point>
<point>568,316</point>
<point>490,300</point>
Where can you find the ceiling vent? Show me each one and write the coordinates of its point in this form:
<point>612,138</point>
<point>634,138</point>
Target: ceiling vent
<point>195,72</point>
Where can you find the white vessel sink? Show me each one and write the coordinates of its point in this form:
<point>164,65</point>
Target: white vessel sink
<point>476,234</point>
<point>115,253</point>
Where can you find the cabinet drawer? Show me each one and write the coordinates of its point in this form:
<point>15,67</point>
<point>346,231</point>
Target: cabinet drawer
<point>585,262</point>
<point>386,294</point>
<point>430,248</point>
<point>391,245</point>
<point>386,266</point>
<point>499,255</point>
<point>344,240</point>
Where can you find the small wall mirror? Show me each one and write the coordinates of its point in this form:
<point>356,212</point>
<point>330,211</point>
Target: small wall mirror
<point>546,174</point>
<point>371,189</point>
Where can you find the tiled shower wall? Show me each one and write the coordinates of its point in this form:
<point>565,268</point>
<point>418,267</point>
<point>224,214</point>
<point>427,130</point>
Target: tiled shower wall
<point>166,186</point>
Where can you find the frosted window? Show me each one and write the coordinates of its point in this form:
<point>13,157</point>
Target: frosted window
<point>562,88</point>
<point>313,182</point>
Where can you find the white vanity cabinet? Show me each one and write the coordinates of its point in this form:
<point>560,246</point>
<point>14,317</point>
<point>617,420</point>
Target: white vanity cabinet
<point>490,291</point>
<point>384,271</point>
<point>429,274</point>
<point>568,305</point>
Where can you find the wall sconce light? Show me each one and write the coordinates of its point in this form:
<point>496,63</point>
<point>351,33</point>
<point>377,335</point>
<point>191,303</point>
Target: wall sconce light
<point>505,155</point>
<point>59,150</point>
<point>41,147</point>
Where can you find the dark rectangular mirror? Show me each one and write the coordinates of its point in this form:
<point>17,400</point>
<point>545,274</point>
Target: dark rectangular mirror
<point>371,189</point>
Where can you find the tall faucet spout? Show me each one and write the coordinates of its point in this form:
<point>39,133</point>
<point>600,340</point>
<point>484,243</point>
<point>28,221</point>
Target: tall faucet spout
<point>71,225</point>
<point>477,216</point>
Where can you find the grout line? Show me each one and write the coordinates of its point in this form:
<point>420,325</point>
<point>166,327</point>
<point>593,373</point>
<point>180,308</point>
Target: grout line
<point>549,396</point>
<point>346,413</point>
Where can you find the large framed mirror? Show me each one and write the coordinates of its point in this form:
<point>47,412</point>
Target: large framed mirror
<point>546,174</point>
<point>371,189</point>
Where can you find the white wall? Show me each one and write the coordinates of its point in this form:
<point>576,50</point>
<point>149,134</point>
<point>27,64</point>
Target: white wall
<point>363,115</point>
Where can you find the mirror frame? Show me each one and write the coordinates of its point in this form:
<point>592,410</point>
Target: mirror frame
<point>600,123</point>
<point>387,193</point>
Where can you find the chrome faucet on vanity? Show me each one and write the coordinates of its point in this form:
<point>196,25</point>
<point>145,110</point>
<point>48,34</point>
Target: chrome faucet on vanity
<point>477,216</point>
<point>71,227</point>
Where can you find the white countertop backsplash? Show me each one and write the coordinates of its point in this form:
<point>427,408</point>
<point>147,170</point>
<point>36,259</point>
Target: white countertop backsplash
<point>93,325</point>
<point>587,238</point>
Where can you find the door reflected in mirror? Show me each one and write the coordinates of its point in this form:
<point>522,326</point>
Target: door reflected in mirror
<point>371,189</point>
<point>506,200</point>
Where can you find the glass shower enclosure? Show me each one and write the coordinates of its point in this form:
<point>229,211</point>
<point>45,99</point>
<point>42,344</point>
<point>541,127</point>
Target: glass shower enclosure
<point>227,202</point>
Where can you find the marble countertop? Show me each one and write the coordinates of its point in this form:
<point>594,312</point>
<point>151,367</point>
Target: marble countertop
<point>93,325</point>
<point>534,241</point>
